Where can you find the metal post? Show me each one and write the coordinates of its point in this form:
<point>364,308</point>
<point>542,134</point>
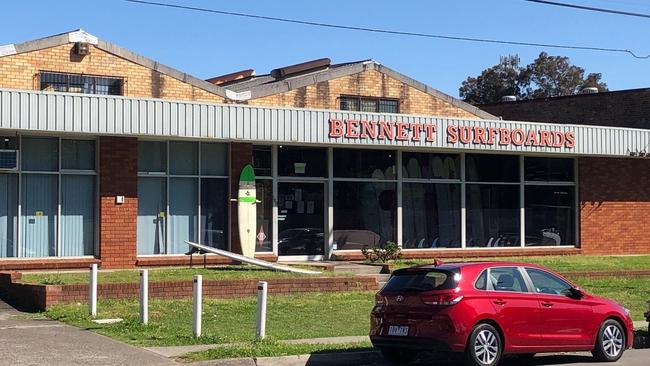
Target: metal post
<point>144,296</point>
<point>261,309</point>
<point>196,313</point>
<point>92,291</point>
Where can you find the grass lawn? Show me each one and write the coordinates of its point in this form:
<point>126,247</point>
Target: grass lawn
<point>227,320</point>
<point>272,349</point>
<point>161,274</point>
<point>560,263</point>
<point>633,293</point>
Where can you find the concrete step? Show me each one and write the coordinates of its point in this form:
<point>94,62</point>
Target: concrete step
<point>357,268</point>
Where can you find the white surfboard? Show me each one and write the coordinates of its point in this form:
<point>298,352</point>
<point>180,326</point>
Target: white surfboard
<point>247,211</point>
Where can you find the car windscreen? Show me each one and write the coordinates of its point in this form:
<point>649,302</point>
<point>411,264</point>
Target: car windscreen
<point>421,280</point>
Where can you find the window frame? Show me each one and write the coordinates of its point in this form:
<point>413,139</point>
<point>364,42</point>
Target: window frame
<point>531,284</point>
<point>490,287</point>
<point>94,77</point>
<point>359,99</point>
<point>198,177</point>
<point>59,173</point>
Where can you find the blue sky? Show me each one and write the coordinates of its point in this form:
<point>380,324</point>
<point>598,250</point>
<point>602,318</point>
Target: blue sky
<point>207,45</point>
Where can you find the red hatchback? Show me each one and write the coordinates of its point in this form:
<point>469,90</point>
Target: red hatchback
<point>486,310</point>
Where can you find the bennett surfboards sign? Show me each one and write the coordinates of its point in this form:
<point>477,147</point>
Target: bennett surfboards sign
<point>247,210</point>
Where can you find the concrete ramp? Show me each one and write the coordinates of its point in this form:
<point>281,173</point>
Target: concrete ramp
<point>253,261</point>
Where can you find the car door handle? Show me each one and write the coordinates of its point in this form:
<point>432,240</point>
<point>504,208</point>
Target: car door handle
<point>547,304</point>
<point>499,302</point>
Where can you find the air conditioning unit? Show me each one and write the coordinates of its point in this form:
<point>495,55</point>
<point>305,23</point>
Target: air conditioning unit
<point>9,159</point>
<point>82,48</point>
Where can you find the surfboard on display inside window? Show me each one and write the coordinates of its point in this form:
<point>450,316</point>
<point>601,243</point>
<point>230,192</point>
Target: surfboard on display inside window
<point>247,211</point>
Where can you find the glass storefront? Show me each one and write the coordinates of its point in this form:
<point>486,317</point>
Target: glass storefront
<point>447,200</point>
<point>56,179</point>
<point>182,195</point>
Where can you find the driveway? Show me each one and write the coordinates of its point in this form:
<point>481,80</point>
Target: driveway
<point>46,342</point>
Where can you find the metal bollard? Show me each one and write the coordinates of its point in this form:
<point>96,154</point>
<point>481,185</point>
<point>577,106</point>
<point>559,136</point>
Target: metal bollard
<point>144,296</point>
<point>197,309</point>
<point>262,287</point>
<point>92,291</point>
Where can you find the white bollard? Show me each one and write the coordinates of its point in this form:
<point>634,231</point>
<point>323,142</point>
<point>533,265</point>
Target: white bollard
<point>196,313</point>
<point>144,296</point>
<point>92,291</point>
<point>261,309</point>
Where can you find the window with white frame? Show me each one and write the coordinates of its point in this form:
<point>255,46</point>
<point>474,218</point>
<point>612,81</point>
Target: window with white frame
<point>365,198</point>
<point>431,194</point>
<point>182,195</point>
<point>49,199</point>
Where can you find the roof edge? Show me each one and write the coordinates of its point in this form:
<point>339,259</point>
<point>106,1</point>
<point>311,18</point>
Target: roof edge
<point>82,36</point>
<point>282,86</point>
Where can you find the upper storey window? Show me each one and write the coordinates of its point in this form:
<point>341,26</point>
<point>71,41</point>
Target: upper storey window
<point>369,104</point>
<point>77,83</point>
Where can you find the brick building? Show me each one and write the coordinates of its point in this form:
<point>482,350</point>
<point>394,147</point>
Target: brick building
<point>107,156</point>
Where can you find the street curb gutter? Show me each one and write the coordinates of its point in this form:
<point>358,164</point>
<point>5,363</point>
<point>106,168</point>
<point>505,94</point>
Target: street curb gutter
<point>316,359</point>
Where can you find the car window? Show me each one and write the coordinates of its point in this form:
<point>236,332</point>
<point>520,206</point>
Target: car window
<point>421,280</point>
<point>507,279</point>
<point>481,281</point>
<point>547,283</point>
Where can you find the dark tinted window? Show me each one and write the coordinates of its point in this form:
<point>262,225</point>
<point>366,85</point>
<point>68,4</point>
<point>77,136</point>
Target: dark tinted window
<point>358,163</point>
<point>262,160</point>
<point>419,280</point>
<point>548,169</point>
<point>481,281</point>
<point>430,166</point>
<point>369,104</point>
<point>302,162</point>
<point>493,215</point>
<point>431,215</point>
<point>492,168</point>
<point>507,279</point>
<point>76,83</point>
<point>550,215</point>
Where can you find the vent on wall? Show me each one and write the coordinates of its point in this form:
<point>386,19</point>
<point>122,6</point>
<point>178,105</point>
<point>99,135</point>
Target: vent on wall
<point>82,48</point>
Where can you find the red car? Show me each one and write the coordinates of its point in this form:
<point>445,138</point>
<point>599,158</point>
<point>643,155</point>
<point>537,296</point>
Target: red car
<point>490,309</point>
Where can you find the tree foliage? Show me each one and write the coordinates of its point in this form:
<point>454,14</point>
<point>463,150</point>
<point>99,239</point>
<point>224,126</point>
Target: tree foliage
<point>546,76</point>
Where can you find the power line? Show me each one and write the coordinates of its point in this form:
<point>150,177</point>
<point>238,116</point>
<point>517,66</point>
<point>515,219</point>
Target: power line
<point>387,31</point>
<point>591,8</point>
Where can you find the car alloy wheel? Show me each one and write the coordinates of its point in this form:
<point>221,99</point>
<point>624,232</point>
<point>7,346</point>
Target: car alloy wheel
<point>484,346</point>
<point>612,340</point>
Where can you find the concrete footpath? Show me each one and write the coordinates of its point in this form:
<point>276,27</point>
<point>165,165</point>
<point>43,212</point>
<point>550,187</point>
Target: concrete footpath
<point>46,342</point>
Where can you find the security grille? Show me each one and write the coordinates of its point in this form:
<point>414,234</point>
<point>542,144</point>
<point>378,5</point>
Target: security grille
<point>76,83</point>
<point>369,104</point>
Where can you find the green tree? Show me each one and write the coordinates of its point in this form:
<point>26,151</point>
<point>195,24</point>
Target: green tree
<point>546,76</point>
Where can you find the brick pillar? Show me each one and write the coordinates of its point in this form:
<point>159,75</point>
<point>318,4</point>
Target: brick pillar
<point>118,176</point>
<point>240,155</point>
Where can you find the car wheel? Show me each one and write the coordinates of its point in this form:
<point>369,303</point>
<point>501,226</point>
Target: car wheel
<point>610,343</point>
<point>483,347</point>
<point>398,356</point>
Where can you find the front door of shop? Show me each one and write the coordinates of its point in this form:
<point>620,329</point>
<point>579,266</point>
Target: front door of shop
<point>301,219</point>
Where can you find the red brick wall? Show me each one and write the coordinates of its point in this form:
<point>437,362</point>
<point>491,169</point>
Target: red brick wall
<point>240,155</point>
<point>614,205</point>
<point>118,176</point>
<point>40,297</point>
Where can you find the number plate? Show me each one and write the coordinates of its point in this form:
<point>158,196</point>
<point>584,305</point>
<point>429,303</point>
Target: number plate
<point>398,330</point>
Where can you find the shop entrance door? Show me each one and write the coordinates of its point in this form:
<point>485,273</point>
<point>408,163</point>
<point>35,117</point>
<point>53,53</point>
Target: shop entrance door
<point>301,220</point>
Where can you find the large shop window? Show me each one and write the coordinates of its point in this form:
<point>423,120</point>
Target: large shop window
<point>493,215</point>
<point>302,162</point>
<point>431,215</point>
<point>263,166</point>
<point>54,173</point>
<point>550,201</point>
<point>365,198</point>
<point>182,195</point>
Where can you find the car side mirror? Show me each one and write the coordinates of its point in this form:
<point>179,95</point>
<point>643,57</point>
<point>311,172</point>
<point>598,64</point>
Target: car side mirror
<point>575,293</point>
